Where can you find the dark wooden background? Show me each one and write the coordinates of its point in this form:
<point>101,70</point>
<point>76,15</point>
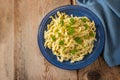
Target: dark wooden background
<point>20,57</point>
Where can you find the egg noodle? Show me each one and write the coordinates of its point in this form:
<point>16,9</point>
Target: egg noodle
<point>70,38</point>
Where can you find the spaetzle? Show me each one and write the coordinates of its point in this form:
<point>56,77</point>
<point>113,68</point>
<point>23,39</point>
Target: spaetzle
<point>70,38</point>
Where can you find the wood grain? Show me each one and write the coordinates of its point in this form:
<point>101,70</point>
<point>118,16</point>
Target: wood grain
<point>99,70</point>
<point>29,63</point>
<point>20,57</point>
<point>6,40</point>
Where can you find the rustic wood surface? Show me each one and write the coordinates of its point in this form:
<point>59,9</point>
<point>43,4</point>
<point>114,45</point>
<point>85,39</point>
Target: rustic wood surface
<point>20,57</point>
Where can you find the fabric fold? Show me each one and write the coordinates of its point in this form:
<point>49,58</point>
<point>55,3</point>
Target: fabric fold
<point>108,12</point>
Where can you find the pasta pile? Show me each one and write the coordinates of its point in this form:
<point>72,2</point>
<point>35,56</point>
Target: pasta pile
<point>70,38</point>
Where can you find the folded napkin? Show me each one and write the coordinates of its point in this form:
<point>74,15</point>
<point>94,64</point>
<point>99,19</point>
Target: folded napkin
<point>108,12</point>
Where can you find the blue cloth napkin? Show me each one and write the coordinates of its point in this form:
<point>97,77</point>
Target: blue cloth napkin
<point>108,12</point>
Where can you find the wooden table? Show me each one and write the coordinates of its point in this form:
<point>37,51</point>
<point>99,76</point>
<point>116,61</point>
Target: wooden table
<point>20,57</point>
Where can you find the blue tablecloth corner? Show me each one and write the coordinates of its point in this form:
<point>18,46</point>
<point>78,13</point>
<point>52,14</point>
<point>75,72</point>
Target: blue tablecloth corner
<point>108,12</point>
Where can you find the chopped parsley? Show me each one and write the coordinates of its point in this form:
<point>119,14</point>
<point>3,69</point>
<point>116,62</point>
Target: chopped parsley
<point>59,34</point>
<point>64,48</point>
<point>70,30</point>
<point>86,26</point>
<point>85,46</point>
<point>67,26</point>
<point>91,34</point>
<point>72,21</point>
<point>61,42</point>
<point>53,38</point>
<point>83,19</point>
<point>56,30</point>
<point>74,51</point>
<point>78,40</point>
<point>61,22</point>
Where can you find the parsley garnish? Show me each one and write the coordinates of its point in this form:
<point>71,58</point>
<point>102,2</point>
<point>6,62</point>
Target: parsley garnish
<point>83,19</point>
<point>64,48</point>
<point>70,30</point>
<point>56,30</point>
<point>86,26</point>
<point>72,21</point>
<point>61,22</point>
<point>91,34</point>
<point>78,40</point>
<point>59,34</point>
<point>74,51</point>
<point>61,42</point>
<point>53,38</point>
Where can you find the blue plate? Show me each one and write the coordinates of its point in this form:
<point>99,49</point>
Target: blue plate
<point>76,11</point>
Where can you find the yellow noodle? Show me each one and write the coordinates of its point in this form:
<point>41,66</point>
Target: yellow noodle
<point>70,38</point>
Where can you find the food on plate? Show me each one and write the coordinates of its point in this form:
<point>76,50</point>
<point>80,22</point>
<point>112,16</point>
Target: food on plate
<point>70,37</point>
